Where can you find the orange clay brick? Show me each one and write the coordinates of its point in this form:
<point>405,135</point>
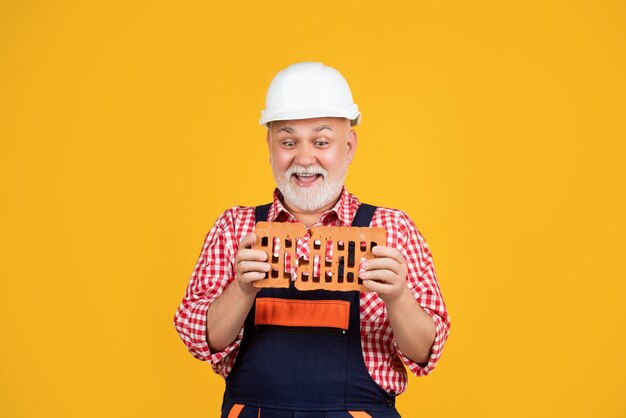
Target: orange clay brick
<point>350,245</point>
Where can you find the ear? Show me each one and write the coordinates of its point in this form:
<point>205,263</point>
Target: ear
<point>268,139</point>
<point>352,141</point>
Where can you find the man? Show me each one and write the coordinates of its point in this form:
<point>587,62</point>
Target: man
<point>326,370</point>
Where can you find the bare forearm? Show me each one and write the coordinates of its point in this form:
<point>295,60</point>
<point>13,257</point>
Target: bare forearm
<point>413,329</point>
<point>226,316</point>
<point>228,312</point>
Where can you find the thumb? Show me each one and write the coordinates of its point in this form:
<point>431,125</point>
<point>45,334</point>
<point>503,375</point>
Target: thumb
<point>248,241</point>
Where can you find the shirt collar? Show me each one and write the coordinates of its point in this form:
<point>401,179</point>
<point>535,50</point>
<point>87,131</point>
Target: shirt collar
<point>344,209</point>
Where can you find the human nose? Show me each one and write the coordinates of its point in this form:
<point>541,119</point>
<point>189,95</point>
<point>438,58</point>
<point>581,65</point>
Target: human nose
<point>306,155</point>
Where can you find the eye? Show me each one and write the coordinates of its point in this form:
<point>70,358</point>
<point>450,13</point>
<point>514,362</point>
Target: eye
<point>321,143</point>
<point>289,143</point>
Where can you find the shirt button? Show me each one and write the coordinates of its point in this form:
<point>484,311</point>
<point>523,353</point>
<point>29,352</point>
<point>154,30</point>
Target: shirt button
<point>389,402</point>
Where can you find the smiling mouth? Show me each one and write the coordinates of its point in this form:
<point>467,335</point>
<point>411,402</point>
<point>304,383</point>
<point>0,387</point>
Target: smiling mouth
<point>305,180</point>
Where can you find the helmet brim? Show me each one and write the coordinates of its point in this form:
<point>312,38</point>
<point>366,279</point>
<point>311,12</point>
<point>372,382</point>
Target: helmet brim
<point>351,113</point>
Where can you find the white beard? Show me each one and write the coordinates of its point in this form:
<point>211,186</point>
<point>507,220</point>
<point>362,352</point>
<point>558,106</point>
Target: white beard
<point>310,199</point>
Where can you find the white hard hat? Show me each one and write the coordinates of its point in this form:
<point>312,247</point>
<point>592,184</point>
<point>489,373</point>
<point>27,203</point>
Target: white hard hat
<point>309,90</point>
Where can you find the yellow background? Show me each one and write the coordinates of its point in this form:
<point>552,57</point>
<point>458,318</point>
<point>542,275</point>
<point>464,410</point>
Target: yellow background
<point>127,127</point>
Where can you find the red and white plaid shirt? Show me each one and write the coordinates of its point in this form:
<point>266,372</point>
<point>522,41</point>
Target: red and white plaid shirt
<point>215,271</point>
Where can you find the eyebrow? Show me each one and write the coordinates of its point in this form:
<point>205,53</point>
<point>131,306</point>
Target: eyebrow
<point>321,128</point>
<point>318,129</point>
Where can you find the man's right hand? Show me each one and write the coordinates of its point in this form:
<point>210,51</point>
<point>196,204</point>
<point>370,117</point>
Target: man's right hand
<point>250,265</point>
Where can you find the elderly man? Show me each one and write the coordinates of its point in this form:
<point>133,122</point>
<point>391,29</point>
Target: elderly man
<point>298,371</point>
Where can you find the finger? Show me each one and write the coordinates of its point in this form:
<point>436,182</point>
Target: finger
<point>390,252</point>
<point>381,276</point>
<point>382,264</point>
<point>251,276</point>
<point>249,266</point>
<point>248,241</point>
<point>375,286</point>
<point>250,255</point>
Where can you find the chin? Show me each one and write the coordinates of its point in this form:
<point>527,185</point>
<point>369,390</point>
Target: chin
<point>310,199</point>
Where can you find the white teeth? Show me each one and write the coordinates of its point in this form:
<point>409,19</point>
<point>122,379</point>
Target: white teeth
<point>306,172</point>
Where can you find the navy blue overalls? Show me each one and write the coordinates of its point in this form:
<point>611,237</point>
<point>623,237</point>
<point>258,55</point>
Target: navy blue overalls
<point>302,372</point>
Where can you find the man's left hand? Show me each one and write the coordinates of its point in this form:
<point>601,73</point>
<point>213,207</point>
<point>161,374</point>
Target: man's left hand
<point>385,274</point>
